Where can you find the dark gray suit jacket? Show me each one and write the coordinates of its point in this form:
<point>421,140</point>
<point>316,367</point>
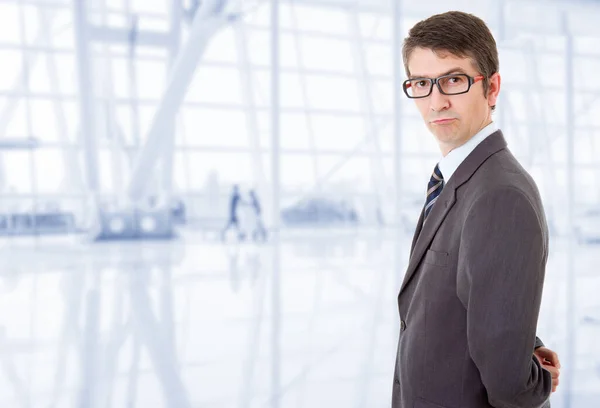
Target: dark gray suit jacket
<point>471,296</point>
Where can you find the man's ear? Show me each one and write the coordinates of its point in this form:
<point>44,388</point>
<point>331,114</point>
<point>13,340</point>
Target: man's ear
<point>493,88</point>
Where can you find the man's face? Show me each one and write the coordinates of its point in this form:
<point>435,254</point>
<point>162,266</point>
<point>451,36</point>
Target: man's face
<point>453,119</point>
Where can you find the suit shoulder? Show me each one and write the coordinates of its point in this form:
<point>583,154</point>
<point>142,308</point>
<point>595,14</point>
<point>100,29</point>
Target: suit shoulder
<point>502,177</point>
<point>502,170</point>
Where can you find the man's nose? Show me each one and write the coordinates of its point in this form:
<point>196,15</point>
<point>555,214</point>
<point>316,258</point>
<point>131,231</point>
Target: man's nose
<point>438,101</point>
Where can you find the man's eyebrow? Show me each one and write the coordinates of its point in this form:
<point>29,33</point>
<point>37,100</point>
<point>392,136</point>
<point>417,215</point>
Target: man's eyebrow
<point>456,70</point>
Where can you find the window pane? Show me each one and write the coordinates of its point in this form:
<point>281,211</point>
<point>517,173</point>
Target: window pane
<point>39,73</point>
<point>16,122</point>
<point>379,59</point>
<point>16,171</point>
<point>114,171</point>
<point>516,66</point>
<point>217,85</point>
<point>333,93</point>
<point>71,116</point>
<point>44,123</point>
<point>292,93</point>
<point>339,133</point>
<point>321,19</point>
<point>383,97</point>
<point>259,48</point>
<point>297,171</point>
<point>146,112</point>
<point>230,167</point>
<point>67,74</point>
<point>550,69</point>
<point>586,185</point>
<point>587,68</point>
<point>12,63</point>
<point>124,118</point>
<point>62,29</point>
<point>10,23</point>
<point>181,171</point>
<point>222,47</point>
<point>50,170</point>
<point>150,6</point>
<point>295,131</point>
<point>150,76</point>
<point>215,127</point>
<point>347,175</point>
<point>327,54</point>
<point>375,26</point>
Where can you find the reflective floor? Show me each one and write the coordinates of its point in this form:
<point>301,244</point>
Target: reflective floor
<point>309,323</point>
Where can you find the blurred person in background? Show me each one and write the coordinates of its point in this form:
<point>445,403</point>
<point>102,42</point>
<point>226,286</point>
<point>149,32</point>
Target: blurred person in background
<point>470,299</point>
<point>259,228</point>
<point>234,220</point>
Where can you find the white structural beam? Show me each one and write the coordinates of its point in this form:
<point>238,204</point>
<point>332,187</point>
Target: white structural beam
<point>86,110</point>
<point>275,209</point>
<point>275,119</point>
<point>204,25</point>
<point>73,176</point>
<point>308,117</point>
<point>248,97</point>
<point>571,317</point>
<point>397,68</point>
<point>166,168</point>
<point>132,88</point>
<point>367,105</point>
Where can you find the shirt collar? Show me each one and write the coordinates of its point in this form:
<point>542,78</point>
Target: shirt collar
<point>454,158</point>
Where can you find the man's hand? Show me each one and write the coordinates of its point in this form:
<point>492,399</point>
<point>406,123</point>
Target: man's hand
<point>549,360</point>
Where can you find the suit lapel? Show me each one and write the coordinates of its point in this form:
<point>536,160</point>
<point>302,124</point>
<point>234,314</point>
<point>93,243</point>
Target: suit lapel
<point>425,232</point>
<point>439,211</point>
<point>417,231</point>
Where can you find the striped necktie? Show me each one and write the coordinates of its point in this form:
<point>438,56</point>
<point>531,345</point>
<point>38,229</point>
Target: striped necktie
<point>434,189</point>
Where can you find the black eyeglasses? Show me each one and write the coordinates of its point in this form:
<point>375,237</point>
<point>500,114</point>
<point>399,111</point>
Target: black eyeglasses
<point>452,84</point>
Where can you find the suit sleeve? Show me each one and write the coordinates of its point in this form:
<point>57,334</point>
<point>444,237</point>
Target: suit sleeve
<point>500,276</point>
<point>538,343</point>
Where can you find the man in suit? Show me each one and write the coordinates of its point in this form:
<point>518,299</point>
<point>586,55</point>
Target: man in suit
<point>471,296</point>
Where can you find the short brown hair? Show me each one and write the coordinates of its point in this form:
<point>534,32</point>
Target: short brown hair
<point>460,34</point>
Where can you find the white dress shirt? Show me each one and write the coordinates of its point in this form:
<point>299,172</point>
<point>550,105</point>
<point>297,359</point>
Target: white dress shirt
<point>452,160</point>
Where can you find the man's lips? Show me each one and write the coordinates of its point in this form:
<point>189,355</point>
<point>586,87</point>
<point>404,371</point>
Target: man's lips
<point>442,121</point>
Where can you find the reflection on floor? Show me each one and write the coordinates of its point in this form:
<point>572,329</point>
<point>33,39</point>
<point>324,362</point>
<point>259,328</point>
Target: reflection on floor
<point>190,323</point>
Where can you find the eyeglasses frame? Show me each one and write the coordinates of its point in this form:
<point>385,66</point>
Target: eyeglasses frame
<point>435,81</point>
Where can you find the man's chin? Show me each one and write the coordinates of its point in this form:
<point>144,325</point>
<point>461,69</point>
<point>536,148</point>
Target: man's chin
<point>444,135</point>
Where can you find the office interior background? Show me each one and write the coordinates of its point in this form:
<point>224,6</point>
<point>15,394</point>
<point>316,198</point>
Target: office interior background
<point>126,124</point>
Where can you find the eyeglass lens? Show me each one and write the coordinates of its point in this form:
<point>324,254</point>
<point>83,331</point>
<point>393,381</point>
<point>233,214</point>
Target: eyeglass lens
<point>450,84</point>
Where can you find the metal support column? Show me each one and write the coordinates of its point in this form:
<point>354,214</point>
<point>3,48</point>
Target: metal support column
<point>86,110</point>
<point>202,29</point>
<point>308,116</point>
<point>73,176</point>
<point>571,324</point>
<point>366,101</point>
<point>397,114</point>
<point>166,176</point>
<point>275,209</point>
<point>250,110</point>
